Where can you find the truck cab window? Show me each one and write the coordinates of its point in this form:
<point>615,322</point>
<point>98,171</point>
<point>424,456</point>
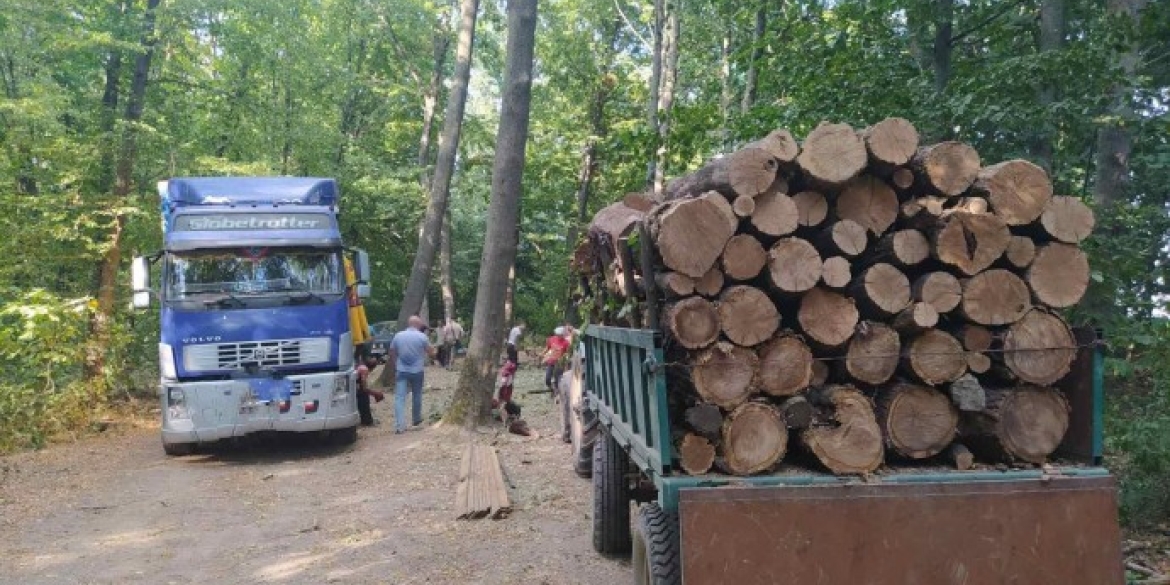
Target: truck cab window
<point>253,272</point>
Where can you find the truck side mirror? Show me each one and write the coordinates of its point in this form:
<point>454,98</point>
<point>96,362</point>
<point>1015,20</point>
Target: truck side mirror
<point>140,282</point>
<point>362,267</point>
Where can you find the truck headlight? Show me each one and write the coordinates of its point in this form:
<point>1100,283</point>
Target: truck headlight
<point>176,403</point>
<point>166,362</point>
<point>345,350</point>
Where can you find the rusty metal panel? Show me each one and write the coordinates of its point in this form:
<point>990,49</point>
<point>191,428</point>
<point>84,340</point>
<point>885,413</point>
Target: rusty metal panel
<point>1028,532</point>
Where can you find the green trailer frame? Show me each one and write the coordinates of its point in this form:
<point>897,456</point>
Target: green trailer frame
<point>626,377</point>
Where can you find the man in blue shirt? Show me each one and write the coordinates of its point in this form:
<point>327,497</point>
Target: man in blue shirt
<point>409,349</point>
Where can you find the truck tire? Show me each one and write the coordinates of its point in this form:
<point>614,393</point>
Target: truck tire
<point>611,498</point>
<point>178,449</point>
<point>656,548</point>
<point>582,423</point>
<point>347,436</point>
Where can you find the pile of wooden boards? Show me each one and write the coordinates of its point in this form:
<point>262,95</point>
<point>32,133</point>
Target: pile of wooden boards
<point>481,492</point>
<point>866,296</point>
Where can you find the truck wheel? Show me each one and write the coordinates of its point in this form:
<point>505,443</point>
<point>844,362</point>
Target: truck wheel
<point>656,549</point>
<point>347,436</point>
<point>611,498</point>
<point>178,449</point>
<point>585,431</point>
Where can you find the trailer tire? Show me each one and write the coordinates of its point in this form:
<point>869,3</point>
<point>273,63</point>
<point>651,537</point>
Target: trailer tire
<point>582,424</point>
<point>611,498</point>
<point>656,547</point>
<point>178,449</point>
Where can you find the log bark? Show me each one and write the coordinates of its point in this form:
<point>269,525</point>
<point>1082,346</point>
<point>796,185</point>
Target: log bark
<point>948,168</point>
<point>711,283</point>
<point>934,357</point>
<point>785,367</point>
<point>743,257</point>
<point>755,438</point>
<point>851,442</point>
<point>690,234</point>
<point>870,202</point>
<point>892,141</point>
<point>872,356</point>
<point>1059,275</point>
<point>780,144</point>
<point>1017,190</point>
<point>1067,219</point>
<point>820,373</point>
<point>674,285</point>
<point>743,206</point>
<point>775,215</point>
<point>747,315</point>
<point>916,421</point>
<point>1024,424</point>
<point>1020,252</point>
<point>797,412</point>
<point>903,248</point>
<point>881,291</point>
<point>706,420</point>
<point>836,272</point>
<point>794,265</point>
<point>970,242</point>
<point>828,318</point>
<point>748,172</point>
<point>693,322</point>
<point>916,318</point>
<point>696,454</point>
<point>967,394</point>
<point>995,297</point>
<point>960,457</point>
<point>832,154</point>
<point>940,290</point>
<point>812,208</point>
<point>1039,348</point>
<point>843,238</point>
<point>723,374</point>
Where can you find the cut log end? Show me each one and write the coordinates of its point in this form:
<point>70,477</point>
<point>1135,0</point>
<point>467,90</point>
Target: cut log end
<point>693,322</point>
<point>785,366</point>
<point>775,215</point>
<point>939,289</point>
<point>1017,190</point>
<point>690,234</point>
<point>916,318</point>
<point>1059,275</point>
<point>949,168</point>
<point>794,265</point>
<point>846,238</point>
<point>812,208</point>
<point>852,443</point>
<point>836,272</point>
<point>748,317</point>
<point>935,357</point>
<point>873,353</point>
<point>723,374</point>
<point>961,457</point>
<point>917,422</point>
<point>1067,219</point>
<point>744,206</point>
<point>1039,348</point>
<point>995,297</point>
<point>892,141</point>
<point>1020,252</point>
<point>882,290</point>
<point>832,154</point>
<point>828,318</point>
<point>971,242</point>
<point>711,283</point>
<point>870,202</point>
<point>755,438</point>
<point>1026,424</point>
<point>743,257</point>
<point>696,454</point>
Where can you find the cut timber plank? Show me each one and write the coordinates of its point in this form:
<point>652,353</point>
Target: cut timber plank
<point>481,492</point>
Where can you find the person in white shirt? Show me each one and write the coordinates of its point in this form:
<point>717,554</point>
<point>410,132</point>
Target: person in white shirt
<point>514,341</point>
<point>449,337</point>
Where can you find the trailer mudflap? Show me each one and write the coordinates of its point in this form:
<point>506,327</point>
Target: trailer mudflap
<point>1060,530</point>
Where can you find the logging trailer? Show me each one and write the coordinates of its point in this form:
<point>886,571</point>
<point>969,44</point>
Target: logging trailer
<point>926,525</point>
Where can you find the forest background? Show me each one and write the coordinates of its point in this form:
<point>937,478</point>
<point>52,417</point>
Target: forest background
<point>100,99</point>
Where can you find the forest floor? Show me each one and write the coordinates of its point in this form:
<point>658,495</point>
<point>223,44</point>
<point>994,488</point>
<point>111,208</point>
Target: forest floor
<point>114,509</point>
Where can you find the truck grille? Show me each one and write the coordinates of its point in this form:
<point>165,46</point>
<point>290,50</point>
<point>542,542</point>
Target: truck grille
<point>270,353</point>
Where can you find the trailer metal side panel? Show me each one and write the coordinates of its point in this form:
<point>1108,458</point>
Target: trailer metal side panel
<point>1060,531</point>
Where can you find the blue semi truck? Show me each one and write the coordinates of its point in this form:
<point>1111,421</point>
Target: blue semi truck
<point>254,323</point>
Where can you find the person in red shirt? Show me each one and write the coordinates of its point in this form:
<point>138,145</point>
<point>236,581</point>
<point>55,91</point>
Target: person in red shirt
<point>553,358</point>
<point>503,395</point>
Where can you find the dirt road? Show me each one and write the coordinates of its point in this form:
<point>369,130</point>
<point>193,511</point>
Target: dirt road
<point>114,509</point>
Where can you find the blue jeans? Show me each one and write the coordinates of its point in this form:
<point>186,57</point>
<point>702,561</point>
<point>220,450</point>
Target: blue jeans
<point>412,382</point>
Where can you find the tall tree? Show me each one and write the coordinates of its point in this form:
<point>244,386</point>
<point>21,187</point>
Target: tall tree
<point>658,20</point>
<point>424,259</point>
<point>670,53</point>
<point>1052,31</point>
<point>749,83</point>
<point>472,400</point>
<point>1114,138</point>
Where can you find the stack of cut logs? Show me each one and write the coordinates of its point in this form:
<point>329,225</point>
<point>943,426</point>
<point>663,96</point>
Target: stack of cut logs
<point>871,298</point>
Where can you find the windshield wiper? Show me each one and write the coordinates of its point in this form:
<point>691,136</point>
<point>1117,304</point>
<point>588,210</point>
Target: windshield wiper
<point>309,295</point>
<point>226,300</point>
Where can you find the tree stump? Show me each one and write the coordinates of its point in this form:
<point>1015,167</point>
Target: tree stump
<point>844,238</point>
<point>747,315</point>
<point>851,441</point>
<point>916,421</point>
<point>690,234</point>
<point>995,297</point>
<point>793,265</point>
<point>971,242</point>
<point>1067,219</point>
<point>755,438</point>
<point>870,202</point>
<point>949,168</point>
<point>891,142</point>
<point>1017,190</point>
<point>1026,424</point>
<point>882,291</point>
<point>693,322</point>
<point>828,318</point>
<point>940,290</point>
<point>836,272</point>
<point>872,356</point>
<point>811,208</point>
<point>935,357</point>
<point>832,154</point>
<point>775,215</point>
<point>696,454</point>
<point>1059,275</point>
<point>743,257</point>
<point>723,374</point>
<point>785,366</point>
<point>1039,348</point>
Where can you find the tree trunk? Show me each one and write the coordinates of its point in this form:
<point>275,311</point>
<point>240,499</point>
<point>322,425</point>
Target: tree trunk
<point>755,438</point>
<point>748,317</point>
<point>881,291</point>
<point>749,171</point>
<point>690,234</point>
<point>785,366</point>
<point>420,272</point>
<point>757,52</point>
<point>1052,31</point>
<point>658,21</point>
<point>935,357</point>
<point>1114,139</point>
<point>940,290</point>
<point>440,44</point>
<point>948,168</point>
<point>775,215</point>
<point>472,400</point>
<point>693,322</point>
<point>446,278</point>
<point>891,142</point>
<point>101,321</point>
<point>970,242</point>
<point>853,442</point>
<point>944,16</point>
<point>832,154</point>
<point>743,257</point>
<point>916,421</point>
<point>793,265</point>
<point>828,318</point>
<point>666,95</point>
<point>1059,275</point>
<point>870,202</point>
<point>1017,190</point>
<point>723,374</point>
<point>995,297</point>
<point>725,84</point>
<point>1039,348</point>
<point>873,353</point>
<point>1026,424</point>
<point>696,454</point>
<point>836,272</point>
<point>812,208</point>
<point>1067,219</point>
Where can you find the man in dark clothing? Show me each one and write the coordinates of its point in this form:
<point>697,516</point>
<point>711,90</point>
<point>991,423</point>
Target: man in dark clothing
<point>368,363</point>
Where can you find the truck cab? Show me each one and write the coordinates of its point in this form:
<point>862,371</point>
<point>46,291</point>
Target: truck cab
<point>254,310</point>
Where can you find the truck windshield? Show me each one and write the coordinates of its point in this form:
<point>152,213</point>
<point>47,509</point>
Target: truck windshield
<point>229,277</point>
